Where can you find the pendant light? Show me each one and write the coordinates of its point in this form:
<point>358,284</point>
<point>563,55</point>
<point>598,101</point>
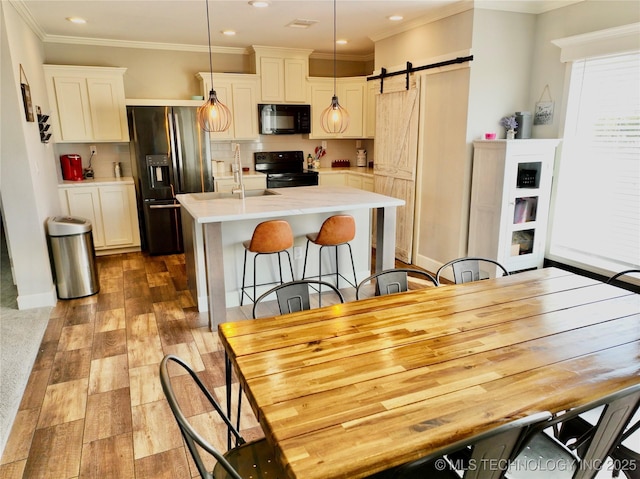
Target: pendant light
<point>334,118</point>
<point>213,116</point>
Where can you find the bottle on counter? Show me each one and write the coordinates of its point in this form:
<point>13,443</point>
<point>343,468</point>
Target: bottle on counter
<point>116,169</point>
<point>310,162</point>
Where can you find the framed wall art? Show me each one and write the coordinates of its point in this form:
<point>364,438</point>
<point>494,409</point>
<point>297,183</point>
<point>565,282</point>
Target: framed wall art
<point>26,95</point>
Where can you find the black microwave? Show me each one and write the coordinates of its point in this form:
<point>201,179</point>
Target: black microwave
<point>284,119</point>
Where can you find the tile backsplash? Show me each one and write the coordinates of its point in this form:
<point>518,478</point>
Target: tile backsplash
<point>108,153</point>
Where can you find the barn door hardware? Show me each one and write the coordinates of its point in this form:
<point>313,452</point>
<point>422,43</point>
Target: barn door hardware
<point>411,69</point>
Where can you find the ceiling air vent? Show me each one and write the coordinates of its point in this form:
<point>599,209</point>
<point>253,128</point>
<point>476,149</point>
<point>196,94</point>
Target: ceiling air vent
<point>300,23</point>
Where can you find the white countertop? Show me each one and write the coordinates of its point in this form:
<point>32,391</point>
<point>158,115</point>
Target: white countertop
<point>125,180</point>
<point>287,202</point>
<point>358,170</point>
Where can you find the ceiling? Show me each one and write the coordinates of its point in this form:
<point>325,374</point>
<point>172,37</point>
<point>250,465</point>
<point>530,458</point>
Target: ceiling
<point>182,24</point>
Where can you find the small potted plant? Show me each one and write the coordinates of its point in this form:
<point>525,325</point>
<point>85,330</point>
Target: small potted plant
<point>510,124</point>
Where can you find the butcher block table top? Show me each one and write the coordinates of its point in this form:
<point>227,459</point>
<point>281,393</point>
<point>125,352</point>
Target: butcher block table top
<point>348,390</point>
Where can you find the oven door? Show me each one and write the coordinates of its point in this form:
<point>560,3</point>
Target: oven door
<point>287,180</point>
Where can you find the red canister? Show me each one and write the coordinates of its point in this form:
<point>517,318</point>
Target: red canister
<point>71,167</point>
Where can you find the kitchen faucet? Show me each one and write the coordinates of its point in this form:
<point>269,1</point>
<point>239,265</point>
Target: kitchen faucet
<point>237,174</point>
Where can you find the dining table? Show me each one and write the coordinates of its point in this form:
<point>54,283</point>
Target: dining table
<point>352,389</point>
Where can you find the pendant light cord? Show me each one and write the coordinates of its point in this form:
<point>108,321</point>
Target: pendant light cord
<point>209,37</point>
<point>334,47</point>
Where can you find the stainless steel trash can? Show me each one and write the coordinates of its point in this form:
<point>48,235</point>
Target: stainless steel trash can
<point>73,256</point>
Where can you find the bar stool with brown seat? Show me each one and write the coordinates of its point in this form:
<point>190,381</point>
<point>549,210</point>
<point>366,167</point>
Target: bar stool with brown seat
<point>335,231</point>
<point>269,237</point>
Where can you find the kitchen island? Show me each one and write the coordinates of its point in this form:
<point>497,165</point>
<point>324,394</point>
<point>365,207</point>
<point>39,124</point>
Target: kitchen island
<point>216,224</point>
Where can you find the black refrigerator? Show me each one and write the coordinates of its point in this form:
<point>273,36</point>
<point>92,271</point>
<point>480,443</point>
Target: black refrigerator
<point>172,156</point>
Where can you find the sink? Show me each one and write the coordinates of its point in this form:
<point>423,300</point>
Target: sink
<point>224,194</point>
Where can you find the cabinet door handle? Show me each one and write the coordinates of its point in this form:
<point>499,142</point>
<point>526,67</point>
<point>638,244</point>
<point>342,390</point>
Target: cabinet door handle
<point>157,207</point>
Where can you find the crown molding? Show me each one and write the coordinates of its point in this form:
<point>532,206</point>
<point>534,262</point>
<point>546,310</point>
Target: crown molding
<point>25,13</point>
<point>368,57</point>
<point>104,42</point>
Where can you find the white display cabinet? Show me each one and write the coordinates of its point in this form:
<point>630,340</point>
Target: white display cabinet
<point>510,195</point>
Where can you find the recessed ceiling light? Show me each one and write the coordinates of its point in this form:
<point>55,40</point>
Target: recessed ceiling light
<point>229,33</point>
<point>395,18</point>
<point>76,20</point>
<point>259,4</point>
<point>341,42</point>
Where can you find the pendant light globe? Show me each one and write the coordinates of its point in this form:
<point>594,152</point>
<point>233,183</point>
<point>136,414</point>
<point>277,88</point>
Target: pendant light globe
<point>213,116</point>
<point>335,118</point>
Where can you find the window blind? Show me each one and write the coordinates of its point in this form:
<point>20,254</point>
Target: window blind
<point>596,221</point>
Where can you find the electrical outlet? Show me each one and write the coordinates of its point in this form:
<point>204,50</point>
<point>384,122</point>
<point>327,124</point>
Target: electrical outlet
<point>93,150</point>
<point>297,252</point>
<point>323,144</point>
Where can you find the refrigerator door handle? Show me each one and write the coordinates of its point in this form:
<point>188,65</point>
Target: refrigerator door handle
<point>157,207</point>
<point>172,144</point>
<point>179,152</point>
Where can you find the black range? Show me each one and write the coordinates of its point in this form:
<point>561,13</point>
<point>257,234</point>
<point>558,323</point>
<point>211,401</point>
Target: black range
<point>284,169</point>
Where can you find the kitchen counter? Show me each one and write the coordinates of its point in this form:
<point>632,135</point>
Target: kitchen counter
<point>214,230</point>
<point>358,170</point>
<point>102,181</point>
<point>285,202</point>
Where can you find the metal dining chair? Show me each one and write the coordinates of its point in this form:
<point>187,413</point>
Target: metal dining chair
<point>622,273</point>
<point>467,269</point>
<point>576,434</point>
<point>295,296</point>
<point>391,281</point>
<point>246,460</point>
<point>484,456</point>
<point>291,297</point>
<point>580,461</point>
<point>618,280</point>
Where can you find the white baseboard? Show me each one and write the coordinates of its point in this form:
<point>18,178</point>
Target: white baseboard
<point>40,300</point>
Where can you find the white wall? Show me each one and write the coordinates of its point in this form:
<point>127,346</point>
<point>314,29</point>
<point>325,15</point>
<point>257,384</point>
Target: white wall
<point>513,61</point>
<point>583,17</point>
<point>28,183</point>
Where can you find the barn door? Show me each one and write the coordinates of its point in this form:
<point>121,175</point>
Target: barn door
<point>395,159</point>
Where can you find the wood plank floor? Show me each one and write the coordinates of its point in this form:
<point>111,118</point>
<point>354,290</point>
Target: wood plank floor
<point>94,407</point>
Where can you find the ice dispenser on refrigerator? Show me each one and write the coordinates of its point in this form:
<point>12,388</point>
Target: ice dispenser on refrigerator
<point>158,167</point>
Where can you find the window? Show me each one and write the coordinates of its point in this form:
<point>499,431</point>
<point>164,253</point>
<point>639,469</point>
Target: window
<point>596,221</point>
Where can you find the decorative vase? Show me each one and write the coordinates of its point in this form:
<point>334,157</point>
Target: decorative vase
<point>511,134</point>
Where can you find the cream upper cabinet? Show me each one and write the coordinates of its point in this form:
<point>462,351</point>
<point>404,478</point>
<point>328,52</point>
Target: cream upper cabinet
<point>239,92</point>
<point>283,74</point>
<point>87,103</point>
<point>351,95</point>
<point>373,90</point>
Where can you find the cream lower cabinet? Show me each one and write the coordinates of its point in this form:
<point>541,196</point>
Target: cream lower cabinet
<point>332,179</point>
<point>225,185</point>
<point>510,198</point>
<point>87,103</point>
<point>359,181</point>
<point>112,211</point>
